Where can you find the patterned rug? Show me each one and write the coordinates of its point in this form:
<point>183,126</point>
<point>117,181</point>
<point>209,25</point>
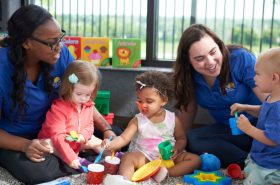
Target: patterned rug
<point>7,179</point>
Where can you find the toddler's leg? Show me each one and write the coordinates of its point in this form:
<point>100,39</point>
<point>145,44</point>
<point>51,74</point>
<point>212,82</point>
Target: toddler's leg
<point>185,163</point>
<point>130,162</point>
<point>94,144</point>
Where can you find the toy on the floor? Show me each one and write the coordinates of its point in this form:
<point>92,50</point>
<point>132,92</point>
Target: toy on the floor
<point>209,162</point>
<point>117,180</point>
<point>234,171</point>
<point>146,171</point>
<point>207,178</point>
<point>165,150</point>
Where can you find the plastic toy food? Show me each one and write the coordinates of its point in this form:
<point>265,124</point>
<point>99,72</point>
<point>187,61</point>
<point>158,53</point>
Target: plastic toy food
<point>146,171</point>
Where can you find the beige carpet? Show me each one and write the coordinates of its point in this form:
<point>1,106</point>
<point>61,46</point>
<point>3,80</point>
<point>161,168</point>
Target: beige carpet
<point>7,179</point>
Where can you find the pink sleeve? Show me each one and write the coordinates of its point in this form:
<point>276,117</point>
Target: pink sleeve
<point>87,128</point>
<point>55,129</point>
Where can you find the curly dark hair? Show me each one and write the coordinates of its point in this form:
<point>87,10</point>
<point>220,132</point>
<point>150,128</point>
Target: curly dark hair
<point>159,80</point>
<point>21,26</point>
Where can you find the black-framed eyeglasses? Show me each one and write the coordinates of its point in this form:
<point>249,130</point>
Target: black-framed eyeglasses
<point>53,44</point>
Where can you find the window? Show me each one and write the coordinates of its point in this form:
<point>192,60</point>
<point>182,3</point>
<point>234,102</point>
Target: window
<point>160,23</point>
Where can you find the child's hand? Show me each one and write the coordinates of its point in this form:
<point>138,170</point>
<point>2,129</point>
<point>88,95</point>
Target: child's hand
<point>81,138</point>
<point>107,144</point>
<point>243,123</point>
<point>175,152</point>
<point>236,107</point>
<point>75,164</point>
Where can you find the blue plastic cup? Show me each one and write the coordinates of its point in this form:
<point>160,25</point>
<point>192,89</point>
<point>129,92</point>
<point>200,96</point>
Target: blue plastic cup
<point>234,129</point>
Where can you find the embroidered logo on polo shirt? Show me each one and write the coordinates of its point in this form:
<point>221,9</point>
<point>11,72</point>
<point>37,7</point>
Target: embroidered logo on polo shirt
<point>56,82</point>
<point>230,87</point>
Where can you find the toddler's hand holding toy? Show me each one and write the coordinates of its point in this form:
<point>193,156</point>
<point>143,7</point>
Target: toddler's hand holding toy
<point>175,153</point>
<point>107,144</point>
<point>81,138</point>
<point>73,136</point>
<point>75,164</point>
<point>243,123</point>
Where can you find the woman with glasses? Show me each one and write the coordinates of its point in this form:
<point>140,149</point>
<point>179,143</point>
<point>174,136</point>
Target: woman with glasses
<point>32,63</point>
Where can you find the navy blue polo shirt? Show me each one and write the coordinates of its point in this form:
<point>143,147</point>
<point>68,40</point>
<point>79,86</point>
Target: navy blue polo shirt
<point>239,90</point>
<point>38,101</point>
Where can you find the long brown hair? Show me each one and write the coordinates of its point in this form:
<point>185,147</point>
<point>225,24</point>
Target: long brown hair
<point>183,80</point>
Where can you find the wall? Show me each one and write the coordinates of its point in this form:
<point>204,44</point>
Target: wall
<point>7,9</point>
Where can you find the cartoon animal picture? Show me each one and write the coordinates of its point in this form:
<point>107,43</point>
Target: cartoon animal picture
<point>123,53</point>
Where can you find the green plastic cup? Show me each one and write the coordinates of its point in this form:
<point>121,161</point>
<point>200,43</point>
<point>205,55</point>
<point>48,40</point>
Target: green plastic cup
<point>165,149</point>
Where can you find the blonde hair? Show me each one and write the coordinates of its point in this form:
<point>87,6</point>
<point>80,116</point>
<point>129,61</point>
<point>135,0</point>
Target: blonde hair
<point>87,74</point>
<point>271,59</point>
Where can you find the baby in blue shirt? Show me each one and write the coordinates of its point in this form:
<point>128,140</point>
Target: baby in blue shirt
<point>263,162</point>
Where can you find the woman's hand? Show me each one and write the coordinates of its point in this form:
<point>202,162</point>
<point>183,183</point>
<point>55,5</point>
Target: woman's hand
<point>37,149</point>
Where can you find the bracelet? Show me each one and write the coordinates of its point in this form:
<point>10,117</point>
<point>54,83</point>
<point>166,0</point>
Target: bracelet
<point>107,130</point>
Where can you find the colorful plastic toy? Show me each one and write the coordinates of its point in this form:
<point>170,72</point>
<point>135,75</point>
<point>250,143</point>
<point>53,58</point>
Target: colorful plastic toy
<point>72,137</point>
<point>146,171</point>
<point>234,171</point>
<point>233,125</point>
<point>207,178</point>
<point>165,150</point>
<point>209,162</point>
<point>98,158</point>
<point>167,163</point>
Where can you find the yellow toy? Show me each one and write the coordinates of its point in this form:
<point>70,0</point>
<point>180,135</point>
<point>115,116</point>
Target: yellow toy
<point>165,150</point>
<point>72,137</point>
<point>167,163</point>
<point>146,171</point>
